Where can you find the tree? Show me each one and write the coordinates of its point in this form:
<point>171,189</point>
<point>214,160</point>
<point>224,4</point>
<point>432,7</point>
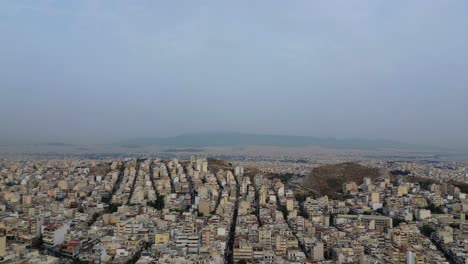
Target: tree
<point>435,210</point>
<point>397,221</point>
<point>106,199</point>
<point>93,219</point>
<point>427,230</point>
<point>159,203</point>
<point>95,216</point>
<point>301,197</point>
<point>284,210</point>
<point>113,207</point>
<point>285,177</point>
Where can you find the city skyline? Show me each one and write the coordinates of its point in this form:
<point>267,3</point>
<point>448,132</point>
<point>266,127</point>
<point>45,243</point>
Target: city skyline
<point>243,132</point>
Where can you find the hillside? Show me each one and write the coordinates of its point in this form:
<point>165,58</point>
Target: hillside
<point>216,164</point>
<point>329,179</point>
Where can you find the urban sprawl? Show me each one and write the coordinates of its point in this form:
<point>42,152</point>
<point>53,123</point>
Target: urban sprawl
<point>205,211</point>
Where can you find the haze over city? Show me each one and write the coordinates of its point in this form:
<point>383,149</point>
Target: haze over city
<point>233,132</point>
<point>100,72</point>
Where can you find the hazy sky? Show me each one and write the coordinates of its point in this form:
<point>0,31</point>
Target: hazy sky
<point>100,71</point>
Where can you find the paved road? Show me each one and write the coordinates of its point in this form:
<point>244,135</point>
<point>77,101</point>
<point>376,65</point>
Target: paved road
<point>229,254</point>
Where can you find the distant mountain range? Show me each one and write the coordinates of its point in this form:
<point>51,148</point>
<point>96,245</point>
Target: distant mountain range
<point>245,139</point>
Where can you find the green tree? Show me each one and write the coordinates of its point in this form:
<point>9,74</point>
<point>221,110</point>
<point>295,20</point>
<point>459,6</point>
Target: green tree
<point>113,207</point>
<point>159,203</point>
<point>427,230</point>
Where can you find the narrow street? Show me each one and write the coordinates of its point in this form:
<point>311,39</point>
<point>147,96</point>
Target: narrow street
<point>191,187</point>
<point>171,181</point>
<point>221,189</point>
<point>257,201</point>
<point>151,175</point>
<point>137,174</point>
<point>118,182</point>
<point>229,255</point>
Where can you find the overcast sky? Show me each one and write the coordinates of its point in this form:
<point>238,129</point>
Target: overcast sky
<point>98,71</point>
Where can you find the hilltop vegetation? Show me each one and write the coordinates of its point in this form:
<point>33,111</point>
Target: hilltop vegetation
<point>329,179</point>
<point>216,164</point>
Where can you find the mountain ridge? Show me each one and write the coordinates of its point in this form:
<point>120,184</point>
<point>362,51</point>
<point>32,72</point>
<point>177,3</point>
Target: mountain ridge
<point>238,139</point>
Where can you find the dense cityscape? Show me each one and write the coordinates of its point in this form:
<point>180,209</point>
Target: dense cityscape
<point>233,132</point>
<point>200,210</point>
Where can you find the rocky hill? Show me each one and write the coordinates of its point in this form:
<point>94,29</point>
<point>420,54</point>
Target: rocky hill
<point>216,164</point>
<point>329,179</point>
